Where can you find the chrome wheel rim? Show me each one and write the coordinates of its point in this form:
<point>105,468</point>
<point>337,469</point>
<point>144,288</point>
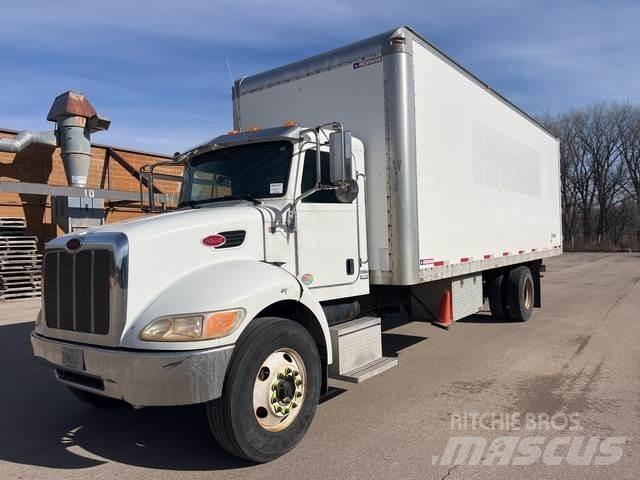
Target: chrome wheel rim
<point>528,294</point>
<point>279,390</point>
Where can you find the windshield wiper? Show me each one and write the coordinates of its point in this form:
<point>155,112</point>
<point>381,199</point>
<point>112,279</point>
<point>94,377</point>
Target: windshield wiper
<point>190,203</point>
<point>197,203</point>
<point>248,198</point>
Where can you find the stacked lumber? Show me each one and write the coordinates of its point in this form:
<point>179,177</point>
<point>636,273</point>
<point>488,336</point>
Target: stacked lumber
<point>20,262</point>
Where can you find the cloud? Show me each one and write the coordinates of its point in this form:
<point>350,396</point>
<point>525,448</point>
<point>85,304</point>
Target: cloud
<point>159,68</point>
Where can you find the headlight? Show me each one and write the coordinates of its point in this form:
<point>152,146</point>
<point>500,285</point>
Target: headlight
<point>193,327</point>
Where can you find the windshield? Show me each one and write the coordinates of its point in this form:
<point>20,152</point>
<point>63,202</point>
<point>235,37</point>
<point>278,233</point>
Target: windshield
<point>257,170</point>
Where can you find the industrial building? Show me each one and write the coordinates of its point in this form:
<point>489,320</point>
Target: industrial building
<point>39,202</point>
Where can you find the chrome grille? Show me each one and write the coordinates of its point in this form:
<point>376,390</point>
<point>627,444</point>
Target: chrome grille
<point>77,290</point>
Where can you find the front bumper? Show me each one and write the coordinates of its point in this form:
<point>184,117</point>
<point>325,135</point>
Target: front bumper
<point>141,378</point>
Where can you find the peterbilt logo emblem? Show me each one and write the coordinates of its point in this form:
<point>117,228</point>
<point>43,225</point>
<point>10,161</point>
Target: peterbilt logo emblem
<point>74,244</point>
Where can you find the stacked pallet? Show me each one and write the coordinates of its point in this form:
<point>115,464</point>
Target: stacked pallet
<point>20,262</point>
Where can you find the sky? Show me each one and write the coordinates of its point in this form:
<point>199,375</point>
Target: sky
<point>162,70</point>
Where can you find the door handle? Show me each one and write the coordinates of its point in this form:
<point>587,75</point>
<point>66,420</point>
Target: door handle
<point>350,266</point>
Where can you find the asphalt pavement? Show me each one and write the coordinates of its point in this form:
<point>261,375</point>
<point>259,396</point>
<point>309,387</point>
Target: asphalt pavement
<point>567,383</point>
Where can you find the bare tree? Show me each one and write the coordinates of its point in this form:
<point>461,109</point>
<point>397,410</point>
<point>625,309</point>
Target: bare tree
<point>600,169</point>
<point>561,127</point>
<point>627,120</point>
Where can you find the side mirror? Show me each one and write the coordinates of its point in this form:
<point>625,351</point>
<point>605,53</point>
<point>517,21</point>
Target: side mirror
<point>340,167</point>
<point>340,157</point>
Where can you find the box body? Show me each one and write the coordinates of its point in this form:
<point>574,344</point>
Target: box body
<point>459,180</point>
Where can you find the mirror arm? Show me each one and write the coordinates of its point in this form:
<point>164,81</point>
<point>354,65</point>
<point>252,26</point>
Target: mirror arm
<point>291,216</point>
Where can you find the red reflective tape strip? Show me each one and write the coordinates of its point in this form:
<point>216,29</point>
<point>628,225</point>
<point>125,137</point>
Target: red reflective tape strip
<point>487,257</point>
<point>520,252</point>
<point>439,263</point>
<point>505,254</point>
<point>464,259</point>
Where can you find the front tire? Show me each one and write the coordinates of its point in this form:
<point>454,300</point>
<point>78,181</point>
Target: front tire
<point>271,391</point>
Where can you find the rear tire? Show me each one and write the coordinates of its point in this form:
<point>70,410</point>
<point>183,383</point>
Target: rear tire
<point>95,400</point>
<point>520,293</point>
<point>497,297</point>
<point>271,391</point>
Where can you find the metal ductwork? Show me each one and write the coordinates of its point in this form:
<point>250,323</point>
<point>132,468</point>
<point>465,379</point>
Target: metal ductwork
<point>23,139</point>
<point>75,120</point>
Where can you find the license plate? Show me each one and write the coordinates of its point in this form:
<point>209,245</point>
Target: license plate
<point>72,358</point>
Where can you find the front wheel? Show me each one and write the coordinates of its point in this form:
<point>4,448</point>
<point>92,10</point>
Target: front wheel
<point>271,391</point>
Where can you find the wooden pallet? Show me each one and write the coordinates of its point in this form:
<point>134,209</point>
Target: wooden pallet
<point>13,223</point>
<point>20,262</point>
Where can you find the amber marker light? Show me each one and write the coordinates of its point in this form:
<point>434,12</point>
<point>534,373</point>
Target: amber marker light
<point>219,324</point>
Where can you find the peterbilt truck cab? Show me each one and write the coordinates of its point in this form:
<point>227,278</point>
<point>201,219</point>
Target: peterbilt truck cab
<point>220,301</point>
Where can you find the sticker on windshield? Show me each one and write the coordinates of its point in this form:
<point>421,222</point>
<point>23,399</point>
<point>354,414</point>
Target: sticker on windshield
<point>275,188</point>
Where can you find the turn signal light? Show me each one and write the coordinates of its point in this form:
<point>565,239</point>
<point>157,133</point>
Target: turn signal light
<point>219,324</point>
<point>291,123</point>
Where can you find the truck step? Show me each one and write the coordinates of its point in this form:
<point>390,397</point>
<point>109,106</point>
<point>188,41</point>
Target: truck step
<point>367,371</point>
<point>357,350</point>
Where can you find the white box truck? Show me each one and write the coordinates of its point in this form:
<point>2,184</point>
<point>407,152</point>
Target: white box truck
<point>379,176</point>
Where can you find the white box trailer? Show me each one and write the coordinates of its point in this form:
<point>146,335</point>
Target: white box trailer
<point>273,275</point>
<point>459,180</point>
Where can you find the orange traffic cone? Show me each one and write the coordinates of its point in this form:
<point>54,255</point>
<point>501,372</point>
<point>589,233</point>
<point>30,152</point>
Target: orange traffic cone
<point>445,317</point>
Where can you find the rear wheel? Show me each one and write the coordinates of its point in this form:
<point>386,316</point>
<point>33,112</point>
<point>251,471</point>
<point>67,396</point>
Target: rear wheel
<point>271,391</point>
<point>520,293</point>
<point>95,400</point>
<point>496,292</point>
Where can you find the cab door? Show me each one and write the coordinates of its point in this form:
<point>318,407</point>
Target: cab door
<point>326,235</point>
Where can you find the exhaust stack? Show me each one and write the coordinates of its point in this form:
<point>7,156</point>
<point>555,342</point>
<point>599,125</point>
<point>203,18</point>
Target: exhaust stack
<point>75,120</point>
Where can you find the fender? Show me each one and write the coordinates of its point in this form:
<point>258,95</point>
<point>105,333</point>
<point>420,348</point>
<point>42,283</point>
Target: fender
<point>247,283</point>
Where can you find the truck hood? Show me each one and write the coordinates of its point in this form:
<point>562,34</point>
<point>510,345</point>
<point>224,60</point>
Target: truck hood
<point>165,247</point>
<point>186,222</point>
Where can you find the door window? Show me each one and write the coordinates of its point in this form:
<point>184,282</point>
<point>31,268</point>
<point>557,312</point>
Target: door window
<point>309,178</point>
